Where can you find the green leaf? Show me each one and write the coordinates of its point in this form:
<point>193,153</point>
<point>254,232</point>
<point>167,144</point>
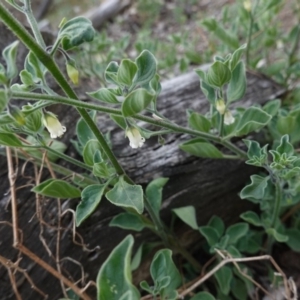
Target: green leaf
<point>200,148</point>
<point>281,238</point>
<point>126,195</point>
<point>236,56</point>
<point>75,32</point>
<point>135,102</point>
<point>26,78</point>
<point>237,86</point>
<point>285,146</point>
<point>128,221</point>
<point>256,189</point>
<point>33,120</point>
<point>137,258</point>
<point>89,151</point>
<point>239,289</point>
<point>218,74</point>
<point>224,278</point>
<point>119,121</point>
<point>217,223</point>
<point>199,122</point>
<point>207,90</point>
<point>155,84</point>
<point>90,199</point>
<point>211,235</point>
<point>114,277</point>
<point>226,36</point>
<point>286,124</point>
<point>203,296</point>
<point>188,215</point>
<point>57,188</point>
<point>272,107</point>
<point>9,139</point>
<point>154,192</point>
<point>254,149</point>
<point>102,170</point>
<point>163,266</point>
<point>252,119</point>
<point>126,72</point>
<point>236,231</point>
<point>10,56</point>
<point>84,133</point>
<point>293,238</point>
<point>104,95</point>
<point>252,218</point>
<point>111,72</point>
<point>3,99</point>
<point>146,64</point>
<point>34,67</point>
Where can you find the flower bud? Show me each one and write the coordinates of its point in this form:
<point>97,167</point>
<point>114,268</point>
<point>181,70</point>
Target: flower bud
<point>73,73</point>
<point>53,125</point>
<point>247,5</point>
<point>220,106</point>
<point>135,138</point>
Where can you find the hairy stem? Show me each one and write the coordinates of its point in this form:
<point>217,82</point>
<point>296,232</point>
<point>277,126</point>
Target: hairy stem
<point>161,123</point>
<point>68,158</point>
<point>33,24</point>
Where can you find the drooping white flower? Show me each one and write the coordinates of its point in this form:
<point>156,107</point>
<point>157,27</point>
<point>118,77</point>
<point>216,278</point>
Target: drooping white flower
<point>53,125</point>
<point>228,117</point>
<point>247,5</point>
<point>135,138</point>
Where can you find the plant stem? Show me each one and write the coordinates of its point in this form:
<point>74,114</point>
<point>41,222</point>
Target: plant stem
<point>249,38</point>
<point>168,125</point>
<point>67,158</point>
<point>275,216</point>
<point>33,24</point>
<point>278,198</point>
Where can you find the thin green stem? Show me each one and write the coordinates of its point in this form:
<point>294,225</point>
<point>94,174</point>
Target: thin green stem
<point>278,199</point>
<point>33,24</point>
<point>221,125</point>
<point>161,123</point>
<point>54,47</point>
<point>249,38</point>
<point>276,211</point>
<point>67,158</point>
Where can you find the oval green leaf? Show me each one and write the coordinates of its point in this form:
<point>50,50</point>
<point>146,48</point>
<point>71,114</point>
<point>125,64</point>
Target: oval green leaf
<point>114,277</point>
<point>91,197</point>
<point>57,188</point>
<point>135,102</point>
<point>127,195</point>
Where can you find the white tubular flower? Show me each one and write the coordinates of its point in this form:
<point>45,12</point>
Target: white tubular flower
<point>228,118</point>
<point>220,106</point>
<point>135,138</point>
<point>53,125</point>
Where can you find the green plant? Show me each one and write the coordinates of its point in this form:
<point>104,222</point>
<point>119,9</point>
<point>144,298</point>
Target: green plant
<point>133,86</point>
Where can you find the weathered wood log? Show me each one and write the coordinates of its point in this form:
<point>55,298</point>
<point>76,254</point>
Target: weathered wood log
<point>211,186</point>
<point>106,11</point>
